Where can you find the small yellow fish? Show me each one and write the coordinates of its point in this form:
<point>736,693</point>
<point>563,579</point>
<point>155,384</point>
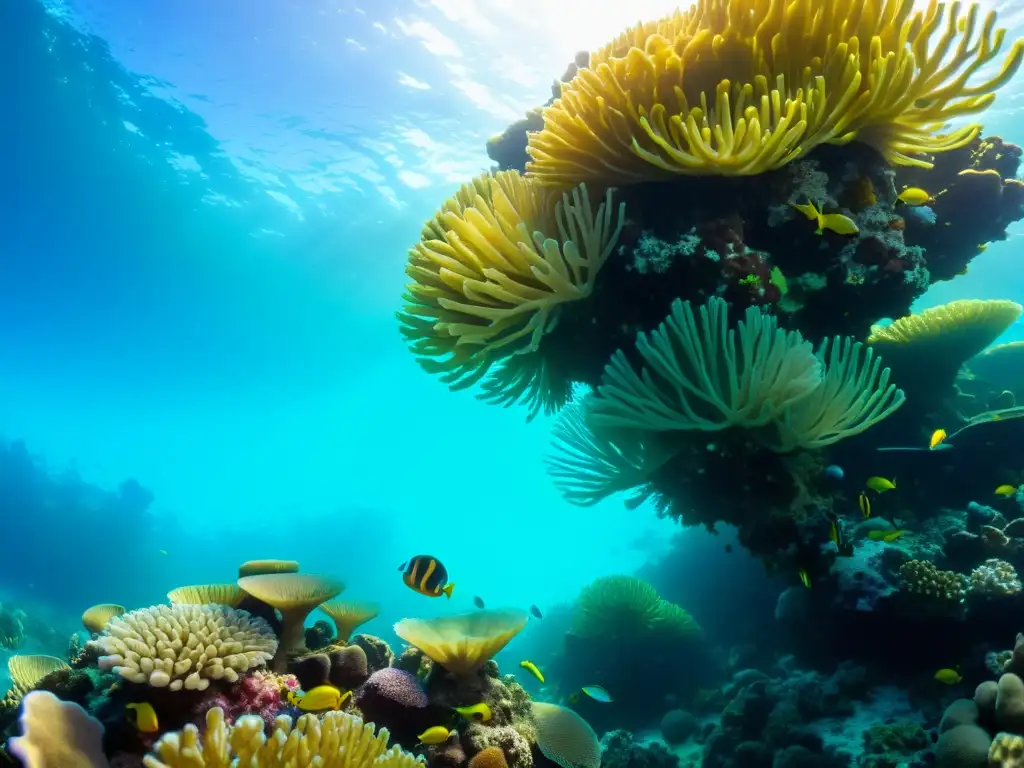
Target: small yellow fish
<point>530,667</point>
<point>981,248</point>
<point>1006,491</point>
<point>865,505</point>
<point>436,735</point>
<point>937,437</point>
<point>837,222</point>
<point>805,578</point>
<point>948,676</point>
<point>480,711</point>
<point>880,484</point>
<point>913,196</point>
<point>318,699</point>
<point>833,532</point>
<point>887,536</point>
<point>145,716</point>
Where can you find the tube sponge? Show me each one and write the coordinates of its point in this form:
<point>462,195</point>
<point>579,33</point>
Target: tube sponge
<point>58,734</point>
<point>185,646</point>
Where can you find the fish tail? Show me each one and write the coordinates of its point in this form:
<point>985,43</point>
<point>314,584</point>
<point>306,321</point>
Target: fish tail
<point>448,590</point>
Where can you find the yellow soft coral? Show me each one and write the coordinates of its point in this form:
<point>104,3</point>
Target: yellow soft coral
<point>739,88</point>
<point>493,266</point>
<point>335,740</point>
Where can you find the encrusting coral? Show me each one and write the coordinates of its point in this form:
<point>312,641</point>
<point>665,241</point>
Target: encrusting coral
<point>184,646</point>
<point>741,89</point>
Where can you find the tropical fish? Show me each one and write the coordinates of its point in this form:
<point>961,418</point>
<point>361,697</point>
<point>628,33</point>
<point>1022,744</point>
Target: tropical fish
<point>937,437</point>
<point>1006,490</point>
<point>880,484</point>
<point>913,196</point>
<point>887,536</point>
<point>318,699</point>
<point>480,711</point>
<point>597,693</point>
<point>805,577</point>
<point>163,551</point>
<point>981,248</point>
<point>865,505</point>
<point>837,222</point>
<point>530,667</point>
<point>949,676</point>
<point>436,735</point>
<point>478,602</point>
<point>834,472</point>
<point>536,612</point>
<point>144,717</point>
<point>835,535</point>
<point>426,575</point>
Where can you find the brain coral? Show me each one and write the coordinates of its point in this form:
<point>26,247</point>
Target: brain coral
<point>739,88</point>
<point>184,646</point>
<point>395,685</point>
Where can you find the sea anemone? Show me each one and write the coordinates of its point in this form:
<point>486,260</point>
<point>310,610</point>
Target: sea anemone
<point>729,88</point>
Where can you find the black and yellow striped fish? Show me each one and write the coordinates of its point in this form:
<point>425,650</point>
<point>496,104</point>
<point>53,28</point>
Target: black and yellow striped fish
<point>426,575</point>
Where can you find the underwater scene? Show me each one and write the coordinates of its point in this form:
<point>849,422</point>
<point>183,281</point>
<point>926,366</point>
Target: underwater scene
<point>512,384</point>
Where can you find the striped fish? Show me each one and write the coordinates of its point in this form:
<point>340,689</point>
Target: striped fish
<point>426,575</point>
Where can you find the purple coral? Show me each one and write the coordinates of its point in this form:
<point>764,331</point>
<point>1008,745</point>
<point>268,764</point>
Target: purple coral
<point>394,685</point>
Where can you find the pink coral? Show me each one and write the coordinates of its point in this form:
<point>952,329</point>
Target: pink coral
<point>255,694</point>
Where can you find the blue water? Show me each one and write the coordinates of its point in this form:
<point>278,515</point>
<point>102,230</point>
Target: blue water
<point>204,215</point>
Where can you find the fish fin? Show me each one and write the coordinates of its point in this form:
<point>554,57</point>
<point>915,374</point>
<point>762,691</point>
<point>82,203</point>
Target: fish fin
<point>403,566</point>
<point>448,590</point>
<point>808,209</point>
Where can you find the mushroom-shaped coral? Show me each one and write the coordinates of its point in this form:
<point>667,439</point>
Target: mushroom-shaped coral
<point>184,646</point>
<point>1001,366</point>
<point>926,350</point>
<point>348,615</point>
<point>739,89</point>
<point>58,734</point>
<point>491,271</point>
<point>625,605</point>
<point>27,670</point>
<point>464,642</point>
<point>335,739</point>
<point>295,595</point>
<point>565,738</point>
<point>262,567</point>
<point>96,617</point>
<point>207,594</point>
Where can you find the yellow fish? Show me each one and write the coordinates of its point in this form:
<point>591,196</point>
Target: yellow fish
<point>318,699</point>
<point>913,196</point>
<point>948,676</point>
<point>981,247</point>
<point>480,710</point>
<point>436,735</point>
<point>880,484</point>
<point>937,437</point>
<point>805,578</point>
<point>842,225</point>
<point>887,536</point>
<point>865,505</point>
<point>1006,490</point>
<point>530,667</point>
<point>145,716</point>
